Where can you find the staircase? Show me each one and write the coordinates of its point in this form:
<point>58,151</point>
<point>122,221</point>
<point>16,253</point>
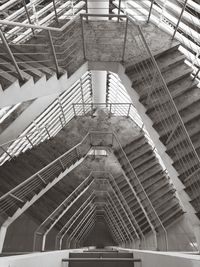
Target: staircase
<point>26,178</point>
<point>102,257</point>
<point>185,93</point>
<point>152,182</point>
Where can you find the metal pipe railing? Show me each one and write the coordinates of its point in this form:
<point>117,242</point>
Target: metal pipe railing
<point>146,196</point>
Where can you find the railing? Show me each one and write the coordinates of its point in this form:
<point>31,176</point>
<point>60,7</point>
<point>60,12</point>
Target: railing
<point>44,228</point>
<point>19,195</point>
<point>40,14</point>
<point>61,234</point>
<point>178,18</point>
<point>51,121</point>
<point>151,214</point>
<point>167,115</point>
<point>114,109</point>
<point>52,49</point>
<point>146,68</point>
<point>105,139</point>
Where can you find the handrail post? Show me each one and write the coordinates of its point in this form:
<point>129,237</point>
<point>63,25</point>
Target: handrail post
<point>179,20</point>
<point>61,109</point>
<point>29,141</point>
<point>129,108</point>
<point>82,95</point>
<point>197,73</point>
<point>125,39</point>
<point>119,8</point>
<point>86,8</point>
<point>5,42</point>
<point>56,14</point>
<point>54,53</point>
<point>151,7</point>
<point>74,110</point>
<point>28,16</point>
<point>48,133</point>
<point>83,39</point>
<point>110,110</point>
<point>62,126</point>
<point>4,150</point>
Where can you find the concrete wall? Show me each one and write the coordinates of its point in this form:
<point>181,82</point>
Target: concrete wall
<point>25,118</point>
<point>50,259</point>
<point>20,235</point>
<point>158,259</point>
<point>149,259</point>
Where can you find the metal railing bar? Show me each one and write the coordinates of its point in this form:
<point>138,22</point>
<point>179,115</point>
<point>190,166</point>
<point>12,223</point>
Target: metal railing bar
<point>101,260</point>
<point>118,215</point>
<point>113,222</point>
<point>179,20</point>
<point>43,169</point>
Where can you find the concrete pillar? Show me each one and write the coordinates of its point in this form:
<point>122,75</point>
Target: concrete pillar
<point>99,84</point>
<point>99,78</point>
<point>98,7</point>
<point>197,235</point>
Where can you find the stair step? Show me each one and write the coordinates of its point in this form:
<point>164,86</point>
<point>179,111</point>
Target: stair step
<point>171,76</point>
<point>173,217</point>
<point>187,104</point>
<point>164,54</point>
<point>165,63</point>
<point>6,79</point>
<point>176,90</point>
<point>33,63</point>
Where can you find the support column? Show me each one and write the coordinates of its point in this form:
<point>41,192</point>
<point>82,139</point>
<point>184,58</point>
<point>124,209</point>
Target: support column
<point>197,235</point>
<point>99,84</point>
<point>99,78</point>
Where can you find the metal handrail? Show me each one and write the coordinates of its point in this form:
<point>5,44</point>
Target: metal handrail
<point>45,168</point>
<point>38,130</point>
<point>55,29</point>
<point>46,230</point>
<point>143,190</point>
<point>191,165</point>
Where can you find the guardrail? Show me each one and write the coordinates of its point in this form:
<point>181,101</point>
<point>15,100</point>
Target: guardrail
<point>104,139</point>
<point>114,109</point>
<point>19,195</point>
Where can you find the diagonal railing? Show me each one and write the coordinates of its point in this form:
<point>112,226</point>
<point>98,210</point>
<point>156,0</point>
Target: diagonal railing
<point>22,192</point>
<point>167,114</point>
<point>26,190</point>
<point>51,121</point>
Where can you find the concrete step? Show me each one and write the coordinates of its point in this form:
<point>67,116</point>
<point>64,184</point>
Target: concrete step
<point>165,61</point>
<point>34,63</point>
<point>170,76</point>
<point>136,143</point>
<point>172,217</point>
<point>142,151</point>
<point>186,104</point>
<point>176,89</point>
<point>190,121</point>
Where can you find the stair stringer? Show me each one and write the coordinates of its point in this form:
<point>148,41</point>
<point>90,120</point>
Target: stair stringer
<point>23,120</point>
<point>20,211</point>
<point>15,94</point>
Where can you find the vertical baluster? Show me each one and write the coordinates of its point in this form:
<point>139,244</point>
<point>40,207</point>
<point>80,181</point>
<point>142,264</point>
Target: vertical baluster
<point>54,53</point>
<point>4,41</point>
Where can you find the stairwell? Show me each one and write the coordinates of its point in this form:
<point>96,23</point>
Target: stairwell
<point>146,166</point>
<point>135,212</point>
